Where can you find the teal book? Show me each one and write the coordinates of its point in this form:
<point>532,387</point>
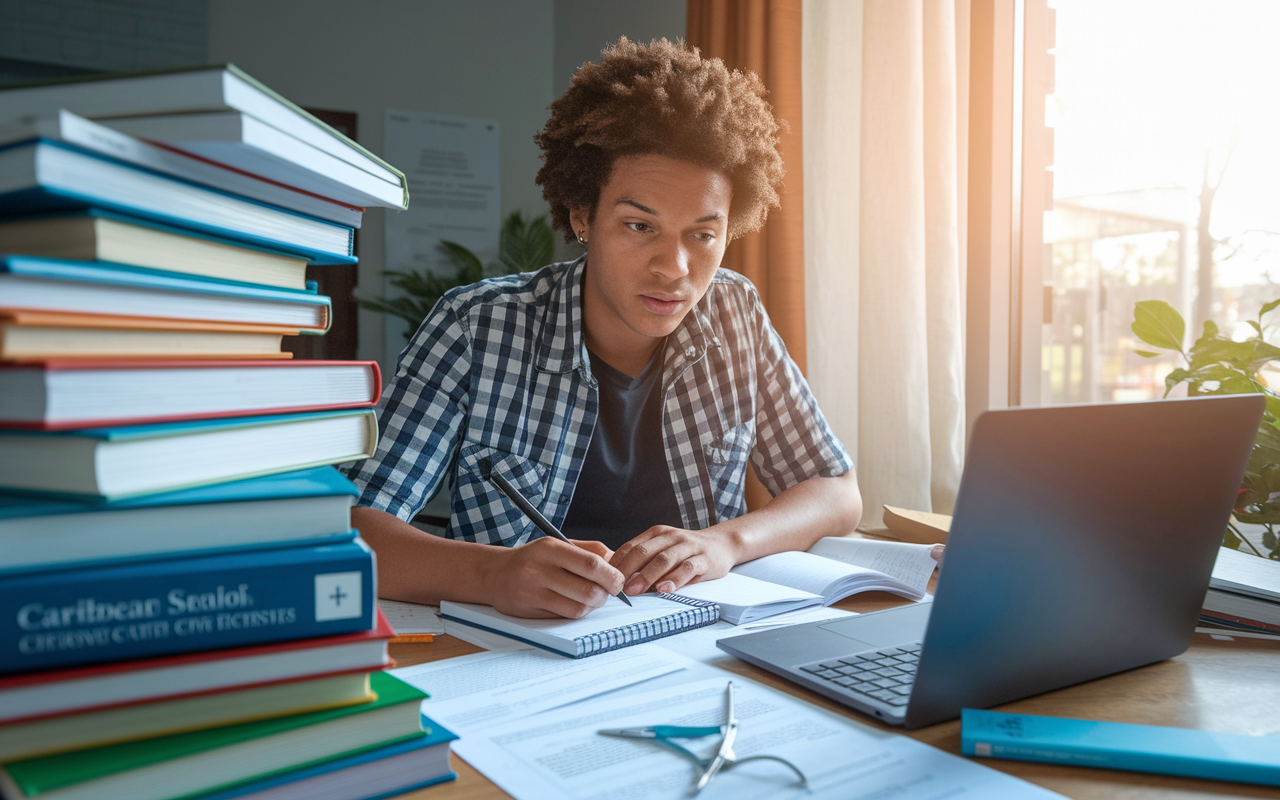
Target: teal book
<point>135,460</point>
<point>311,506</point>
<point>96,614</point>
<point>374,774</point>
<point>1116,745</point>
<point>66,286</point>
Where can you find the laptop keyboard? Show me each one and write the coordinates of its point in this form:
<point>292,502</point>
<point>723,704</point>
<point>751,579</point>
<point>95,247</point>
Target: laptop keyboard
<point>885,674</point>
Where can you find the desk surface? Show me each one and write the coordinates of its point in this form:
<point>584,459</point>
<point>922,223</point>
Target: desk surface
<point>1232,687</point>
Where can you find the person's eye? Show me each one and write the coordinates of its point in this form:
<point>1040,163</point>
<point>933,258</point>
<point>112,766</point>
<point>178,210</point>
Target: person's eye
<point>705,236</point>
<point>639,227</point>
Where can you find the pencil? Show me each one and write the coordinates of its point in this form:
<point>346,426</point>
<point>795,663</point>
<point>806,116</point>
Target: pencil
<point>513,494</point>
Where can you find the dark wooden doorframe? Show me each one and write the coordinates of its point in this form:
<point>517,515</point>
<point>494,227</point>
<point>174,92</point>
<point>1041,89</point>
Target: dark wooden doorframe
<point>338,281</point>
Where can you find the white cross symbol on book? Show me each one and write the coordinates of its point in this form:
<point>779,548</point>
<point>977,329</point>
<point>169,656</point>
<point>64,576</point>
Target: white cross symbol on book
<point>338,595</point>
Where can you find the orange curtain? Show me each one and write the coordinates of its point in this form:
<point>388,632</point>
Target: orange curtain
<point>763,36</point>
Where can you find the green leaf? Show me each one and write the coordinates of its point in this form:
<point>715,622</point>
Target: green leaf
<point>1146,353</point>
<point>1158,324</point>
<point>1231,541</point>
<point>1174,378</point>
<point>525,245</point>
<point>1222,351</point>
<point>1267,308</point>
<point>1255,326</point>
<point>466,263</point>
<point>1228,380</point>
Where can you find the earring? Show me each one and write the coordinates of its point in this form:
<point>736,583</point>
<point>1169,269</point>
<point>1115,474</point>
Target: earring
<point>582,241</point>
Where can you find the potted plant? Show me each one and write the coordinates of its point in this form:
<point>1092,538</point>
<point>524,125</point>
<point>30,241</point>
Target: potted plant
<point>523,246</point>
<point>1216,364</point>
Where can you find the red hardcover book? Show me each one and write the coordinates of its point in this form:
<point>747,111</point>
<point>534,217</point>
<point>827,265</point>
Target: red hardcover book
<point>1232,620</point>
<point>122,683</point>
<point>82,393</point>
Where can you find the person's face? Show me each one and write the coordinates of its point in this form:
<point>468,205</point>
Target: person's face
<point>657,239</point>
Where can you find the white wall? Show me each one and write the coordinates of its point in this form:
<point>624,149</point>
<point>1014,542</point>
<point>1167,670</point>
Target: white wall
<point>111,35</point>
<point>481,58</point>
<point>584,27</point>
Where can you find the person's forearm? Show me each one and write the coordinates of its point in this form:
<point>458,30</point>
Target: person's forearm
<point>417,567</point>
<point>797,518</point>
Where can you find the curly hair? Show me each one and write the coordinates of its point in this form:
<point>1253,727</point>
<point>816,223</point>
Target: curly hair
<point>666,99</point>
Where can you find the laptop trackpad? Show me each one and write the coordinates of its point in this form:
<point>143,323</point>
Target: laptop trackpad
<point>886,628</point>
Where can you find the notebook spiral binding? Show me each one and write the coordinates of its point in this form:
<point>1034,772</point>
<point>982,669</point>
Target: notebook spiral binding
<point>700,614</point>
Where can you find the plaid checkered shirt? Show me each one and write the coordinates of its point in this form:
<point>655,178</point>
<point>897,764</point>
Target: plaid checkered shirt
<point>498,373</point>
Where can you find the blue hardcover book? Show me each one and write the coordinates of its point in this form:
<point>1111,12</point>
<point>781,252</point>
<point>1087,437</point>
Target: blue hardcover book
<point>1115,745</point>
<point>311,506</point>
<point>44,175</point>
<point>32,283</point>
<point>154,608</point>
<point>372,775</point>
<point>136,460</point>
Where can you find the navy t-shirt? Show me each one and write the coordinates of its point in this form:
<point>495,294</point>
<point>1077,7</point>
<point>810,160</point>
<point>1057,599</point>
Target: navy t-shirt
<point>625,485</point>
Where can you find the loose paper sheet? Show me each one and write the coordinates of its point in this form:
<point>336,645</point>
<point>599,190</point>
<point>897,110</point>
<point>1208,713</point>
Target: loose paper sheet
<point>411,617</point>
<point>560,754</point>
<point>471,692</point>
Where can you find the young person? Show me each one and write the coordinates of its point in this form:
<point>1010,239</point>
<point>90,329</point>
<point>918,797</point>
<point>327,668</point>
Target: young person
<point>623,393</point>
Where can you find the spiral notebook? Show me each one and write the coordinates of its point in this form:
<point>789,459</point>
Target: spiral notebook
<point>610,627</point>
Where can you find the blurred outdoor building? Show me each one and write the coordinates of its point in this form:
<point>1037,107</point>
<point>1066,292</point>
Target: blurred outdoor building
<point>1166,183</point>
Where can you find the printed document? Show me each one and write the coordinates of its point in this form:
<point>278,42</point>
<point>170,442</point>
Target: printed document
<point>471,692</point>
<point>559,753</point>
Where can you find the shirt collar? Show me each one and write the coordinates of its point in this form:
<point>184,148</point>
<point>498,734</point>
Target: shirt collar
<point>561,346</point>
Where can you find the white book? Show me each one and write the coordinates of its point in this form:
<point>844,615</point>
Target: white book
<point>831,570</point>
<point>1246,574</point>
<point>51,176</point>
<point>79,394</point>
<point>65,126</point>
<point>247,143</point>
<point>203,89</point>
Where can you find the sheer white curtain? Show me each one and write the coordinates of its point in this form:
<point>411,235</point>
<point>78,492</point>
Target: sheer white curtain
<point>883,222</point>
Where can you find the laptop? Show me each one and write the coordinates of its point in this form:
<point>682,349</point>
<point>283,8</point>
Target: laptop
<point>1082,544</point>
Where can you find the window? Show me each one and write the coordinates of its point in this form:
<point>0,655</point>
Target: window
<point>1166,183</point>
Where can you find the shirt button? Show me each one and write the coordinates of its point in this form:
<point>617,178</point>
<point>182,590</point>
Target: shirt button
<point>689,351</point>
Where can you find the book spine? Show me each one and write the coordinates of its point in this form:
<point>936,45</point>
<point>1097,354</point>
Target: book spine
<point>1110,745</point>
<point>98,614</point>
<point>699,614</point>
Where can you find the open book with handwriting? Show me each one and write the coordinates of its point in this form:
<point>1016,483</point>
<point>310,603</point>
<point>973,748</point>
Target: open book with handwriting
<point>831,570</point>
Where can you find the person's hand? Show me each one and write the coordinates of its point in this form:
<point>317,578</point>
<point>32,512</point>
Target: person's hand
<point>665,558</point>
<point>550,578</point>
<point>591,546</point>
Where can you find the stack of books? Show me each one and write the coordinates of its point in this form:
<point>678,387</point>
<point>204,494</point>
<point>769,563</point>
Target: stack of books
<point>1244,594</point>
<point>186,610</point>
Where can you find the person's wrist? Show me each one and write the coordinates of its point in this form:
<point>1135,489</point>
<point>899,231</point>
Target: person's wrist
<point>734,542</point>
<point>488,564</point>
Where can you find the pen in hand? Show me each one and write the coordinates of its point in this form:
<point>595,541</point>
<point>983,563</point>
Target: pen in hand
<point>513,494</point>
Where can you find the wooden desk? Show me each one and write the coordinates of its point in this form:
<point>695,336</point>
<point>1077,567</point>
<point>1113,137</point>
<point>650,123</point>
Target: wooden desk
<point>1232,687</point>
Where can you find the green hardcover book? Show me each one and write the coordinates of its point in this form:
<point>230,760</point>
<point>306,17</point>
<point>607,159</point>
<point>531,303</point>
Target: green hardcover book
<point>172,767</point>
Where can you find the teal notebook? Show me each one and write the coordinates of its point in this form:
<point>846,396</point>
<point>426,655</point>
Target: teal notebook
<point>1115,745</point>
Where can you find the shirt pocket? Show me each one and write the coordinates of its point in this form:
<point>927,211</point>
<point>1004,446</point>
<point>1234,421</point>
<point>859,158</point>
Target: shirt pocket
<point>725,456</point>
<point>483,509</point>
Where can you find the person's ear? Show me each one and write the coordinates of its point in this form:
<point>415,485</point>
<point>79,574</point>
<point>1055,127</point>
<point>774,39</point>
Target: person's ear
<point>580,218</point>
